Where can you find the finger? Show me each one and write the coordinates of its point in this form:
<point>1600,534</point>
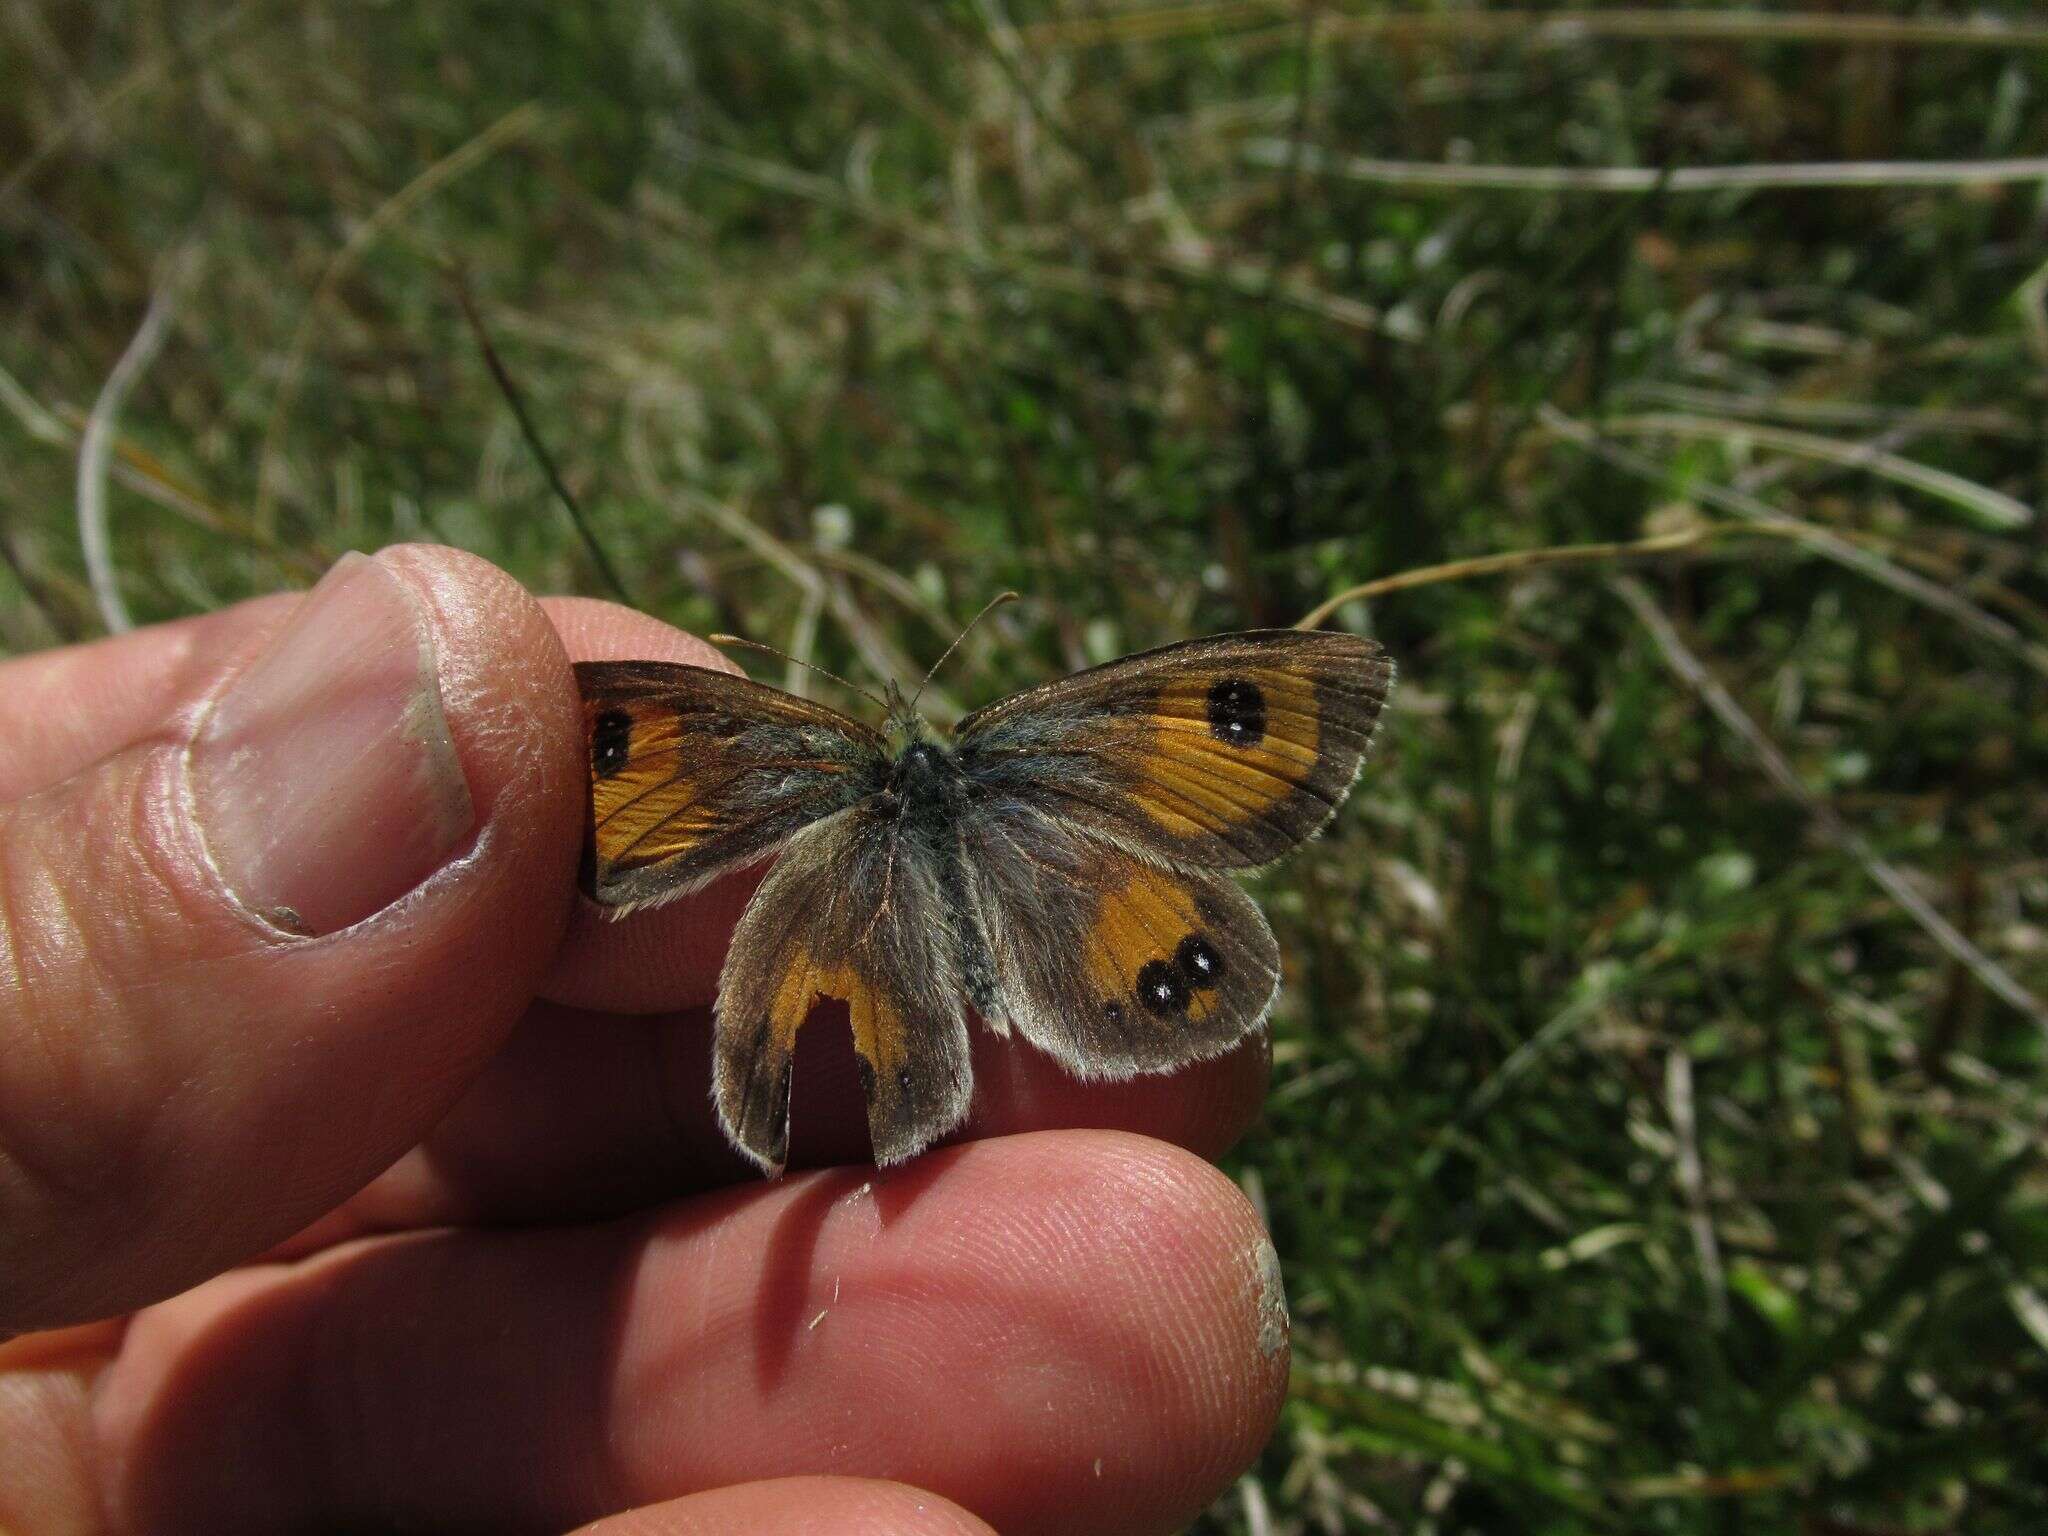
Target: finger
<point>1072,1332</point>
<point>667,957</point>
<point>584,1116</point>
<point>799,1506</point>
<point>62,711</point>
<point>48,1482</point>
<point>249,958</point>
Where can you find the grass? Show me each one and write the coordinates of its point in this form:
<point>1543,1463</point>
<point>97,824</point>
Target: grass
<point>1642,1155</point>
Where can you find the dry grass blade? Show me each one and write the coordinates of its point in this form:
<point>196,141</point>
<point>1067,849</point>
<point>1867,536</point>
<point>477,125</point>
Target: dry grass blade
<point>1635,180</point>
<point>1258,1515</point>
<point>142,473</point>
<point>1988,508</point>
<point>877,651</point>
<point>535,445</point>
<point>2032,299</point>
<point>1824,817</point>
<point>1529,559</point>
<point>95,444</point>
<point>1821,541</point>
<point>34,592</point>
<point>1550,28</point>
<point>1827,413</point>
<point>803,640</point>
<point>774,176</point>
<point>1692,1179</point>
<point>1263,283</point>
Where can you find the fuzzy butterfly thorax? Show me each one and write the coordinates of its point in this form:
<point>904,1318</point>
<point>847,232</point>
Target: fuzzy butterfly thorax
<point>924,778</point>
<point>1059,863</point>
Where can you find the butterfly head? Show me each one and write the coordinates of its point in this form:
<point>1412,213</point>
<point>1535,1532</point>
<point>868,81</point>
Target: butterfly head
<point>923,777</point>
<point>906,727</point>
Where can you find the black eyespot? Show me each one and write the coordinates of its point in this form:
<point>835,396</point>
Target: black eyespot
<point>1162,988</point>
<point>903,1078</point>
<point>610,736</point>
<point>1113,1011</point>
<point>1237,712</point>
<point>1199,963</point>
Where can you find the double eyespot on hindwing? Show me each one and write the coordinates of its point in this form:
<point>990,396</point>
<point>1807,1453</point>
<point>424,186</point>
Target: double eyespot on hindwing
<point>1060,862</point>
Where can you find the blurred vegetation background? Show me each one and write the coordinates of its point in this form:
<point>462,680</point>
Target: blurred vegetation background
<point>1653,1142</point>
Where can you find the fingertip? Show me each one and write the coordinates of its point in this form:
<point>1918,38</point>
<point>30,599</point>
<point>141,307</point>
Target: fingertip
<point>595,630</point>
<point>799,1506</point>
<point>1090,1321</point>
<point>505,686</point>
<point>1167,1243</point>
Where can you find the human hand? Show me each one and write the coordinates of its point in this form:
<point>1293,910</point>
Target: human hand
<point>355,1172</point>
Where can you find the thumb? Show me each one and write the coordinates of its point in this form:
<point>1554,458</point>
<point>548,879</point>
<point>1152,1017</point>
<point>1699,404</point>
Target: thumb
<point>249,958</point>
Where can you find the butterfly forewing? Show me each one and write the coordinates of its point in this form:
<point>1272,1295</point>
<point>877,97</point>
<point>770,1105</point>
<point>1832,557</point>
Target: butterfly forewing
<point>1218,753</point>
<point>694,772</point>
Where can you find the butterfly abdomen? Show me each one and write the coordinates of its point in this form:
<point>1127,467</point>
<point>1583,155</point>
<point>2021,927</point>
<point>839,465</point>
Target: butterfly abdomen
<point>927,794</point>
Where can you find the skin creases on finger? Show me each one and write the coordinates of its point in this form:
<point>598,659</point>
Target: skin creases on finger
<point>1064,1332</point>
<point>799,1506</point>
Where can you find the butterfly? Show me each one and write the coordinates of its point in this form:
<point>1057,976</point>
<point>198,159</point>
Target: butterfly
<point>1059,862</point>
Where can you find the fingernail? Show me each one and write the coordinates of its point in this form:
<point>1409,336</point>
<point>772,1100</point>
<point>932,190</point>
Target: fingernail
<point>325,779</point>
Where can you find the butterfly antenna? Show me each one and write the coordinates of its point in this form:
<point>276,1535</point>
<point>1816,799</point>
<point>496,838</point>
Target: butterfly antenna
<point>990,607</point>
<point>755,645</point>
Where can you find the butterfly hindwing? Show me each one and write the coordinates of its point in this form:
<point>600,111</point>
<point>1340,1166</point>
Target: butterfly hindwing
<point>694,772</point>
<point>1109,963</point>
<point>1219,753</point>
<point>858,907</point>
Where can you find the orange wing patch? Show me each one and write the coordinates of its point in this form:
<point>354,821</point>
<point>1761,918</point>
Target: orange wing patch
<point>1227,747</point>
<point>644,806</point>
<point>1150,952</point>
<point>878,1029</point>
<point>663,800</point>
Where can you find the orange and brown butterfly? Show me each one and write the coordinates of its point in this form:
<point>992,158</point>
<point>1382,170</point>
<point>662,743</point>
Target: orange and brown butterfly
<point>1058,863</point>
